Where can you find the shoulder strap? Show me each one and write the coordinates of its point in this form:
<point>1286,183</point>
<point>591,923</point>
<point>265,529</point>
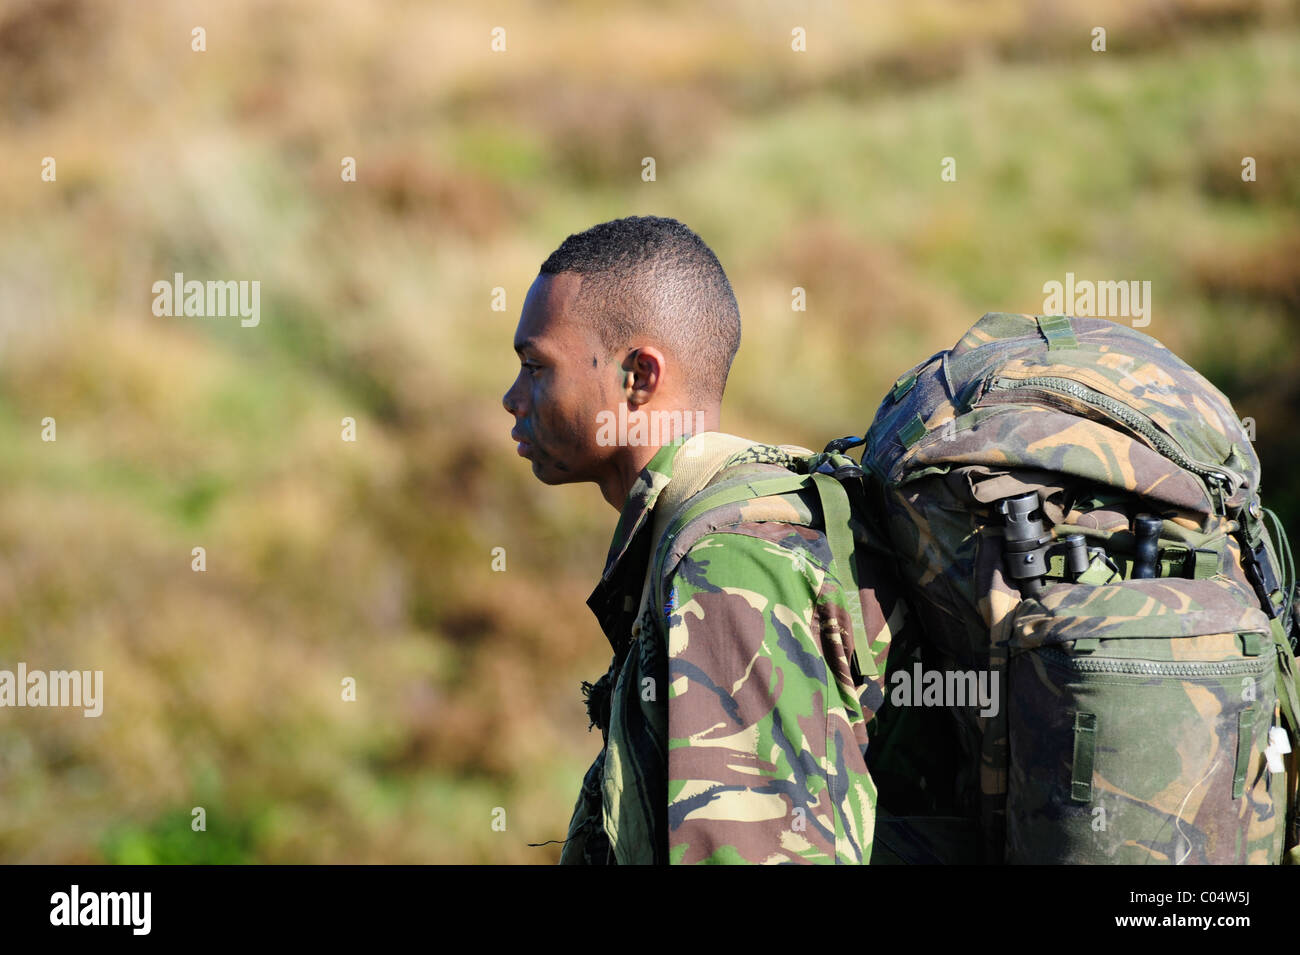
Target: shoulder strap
<point>835,508</point>
<point>695,466</point>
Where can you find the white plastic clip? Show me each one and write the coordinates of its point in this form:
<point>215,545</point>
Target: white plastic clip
<point>1278,746</point>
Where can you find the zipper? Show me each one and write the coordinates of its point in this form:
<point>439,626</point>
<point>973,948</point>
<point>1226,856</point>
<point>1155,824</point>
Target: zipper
<point>1132,419</point>
<point>1152,668</point>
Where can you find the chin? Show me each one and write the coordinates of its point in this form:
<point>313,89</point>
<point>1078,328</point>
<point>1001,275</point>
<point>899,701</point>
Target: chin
<point>551,477</point>
<point>549,474</point>
<point>542,472</point>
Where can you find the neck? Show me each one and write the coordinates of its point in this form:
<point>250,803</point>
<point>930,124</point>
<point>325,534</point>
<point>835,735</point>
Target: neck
<point>625,467</point>
<point>616,485</point>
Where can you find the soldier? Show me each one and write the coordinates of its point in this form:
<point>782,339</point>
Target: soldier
<point>732,726</point>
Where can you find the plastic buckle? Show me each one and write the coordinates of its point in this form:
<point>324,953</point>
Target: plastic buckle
<point>840,445</point>
<point>1259,570</point>
<point>1278,746</point>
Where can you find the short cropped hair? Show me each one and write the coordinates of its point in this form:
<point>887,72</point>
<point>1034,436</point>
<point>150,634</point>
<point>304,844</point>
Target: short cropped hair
<point>644,277</point>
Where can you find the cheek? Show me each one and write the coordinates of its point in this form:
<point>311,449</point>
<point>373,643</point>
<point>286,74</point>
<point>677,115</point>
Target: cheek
<point>567,419</point>
<point>554,413</point>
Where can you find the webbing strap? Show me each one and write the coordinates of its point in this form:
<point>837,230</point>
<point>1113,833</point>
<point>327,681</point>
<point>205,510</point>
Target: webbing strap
<point>1058,331</point>
<point>912,432</point>
<point>727,492</point>
<point>1287,667</point>
<point>731,492</point>
<point>903,386</point>
<point>839,535</point>
<point>1245,725</point>
<point>1205,563</point>
<point>1290,708</point>
<point>1085,752</point>
<point>1282,546</point>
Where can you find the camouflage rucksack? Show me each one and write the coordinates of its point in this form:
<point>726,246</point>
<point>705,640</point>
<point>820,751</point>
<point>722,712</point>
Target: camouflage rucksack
<point>1077,521</point>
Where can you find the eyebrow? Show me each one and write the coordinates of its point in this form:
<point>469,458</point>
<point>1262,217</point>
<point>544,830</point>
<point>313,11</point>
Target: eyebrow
<point>526,343</point>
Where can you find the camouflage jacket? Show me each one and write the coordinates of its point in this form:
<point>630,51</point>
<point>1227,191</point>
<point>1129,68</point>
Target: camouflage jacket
<point>733,731</point>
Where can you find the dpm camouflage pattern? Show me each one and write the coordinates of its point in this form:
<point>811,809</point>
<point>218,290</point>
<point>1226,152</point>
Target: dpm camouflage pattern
<point>1148,748</point>
<point>1135,712</point>
<point>754,750</point>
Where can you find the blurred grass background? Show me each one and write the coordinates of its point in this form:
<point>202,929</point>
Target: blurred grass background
<point>372,560</point>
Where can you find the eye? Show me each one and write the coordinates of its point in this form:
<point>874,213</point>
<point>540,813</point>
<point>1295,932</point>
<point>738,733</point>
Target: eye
<point>532,366</point>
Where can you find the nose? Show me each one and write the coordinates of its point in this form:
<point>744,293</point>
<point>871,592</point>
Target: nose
<point>510,399</point>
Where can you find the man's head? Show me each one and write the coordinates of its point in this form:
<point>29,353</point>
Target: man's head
<point>636,313</point>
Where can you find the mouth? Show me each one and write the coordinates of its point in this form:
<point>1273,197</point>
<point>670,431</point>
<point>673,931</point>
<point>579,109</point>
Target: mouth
<point>523,447</point>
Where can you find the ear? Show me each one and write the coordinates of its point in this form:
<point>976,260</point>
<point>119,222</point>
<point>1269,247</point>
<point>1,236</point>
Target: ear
<point>643,373</point>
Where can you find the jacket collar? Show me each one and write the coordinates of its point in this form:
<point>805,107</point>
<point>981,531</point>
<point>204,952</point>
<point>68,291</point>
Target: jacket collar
<point>639,503</point>
<point>612,599</point>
